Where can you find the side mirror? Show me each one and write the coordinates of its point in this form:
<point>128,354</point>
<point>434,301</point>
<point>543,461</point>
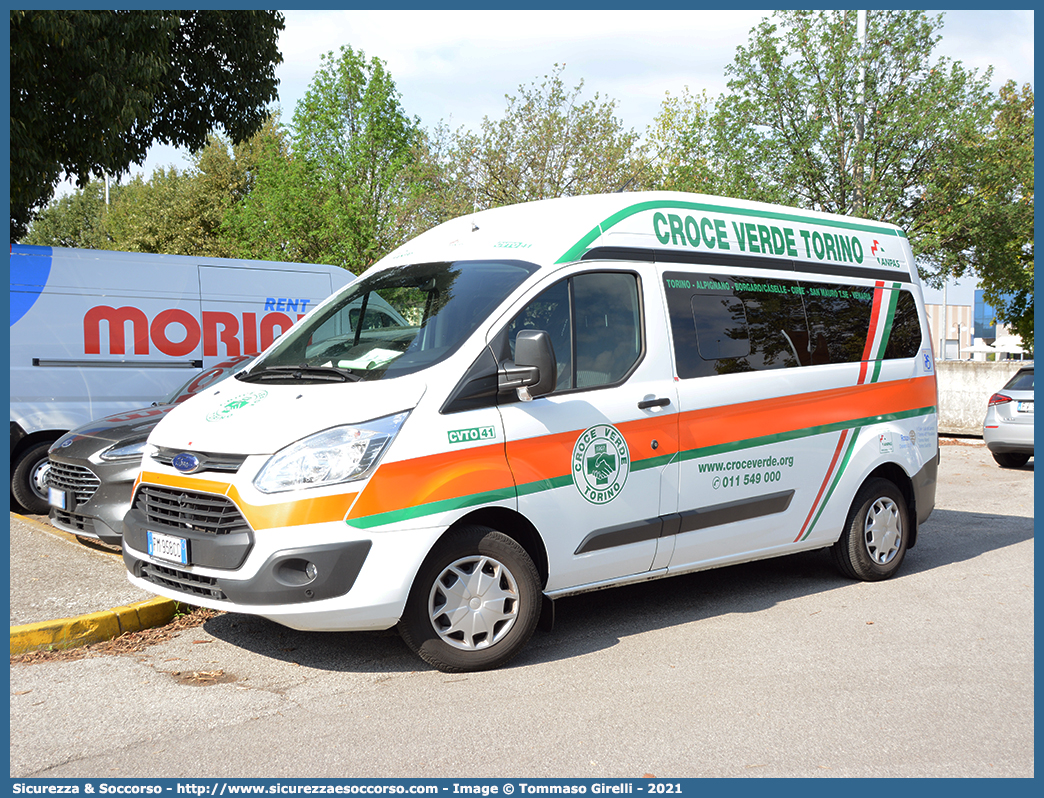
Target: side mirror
<point>534,372</point>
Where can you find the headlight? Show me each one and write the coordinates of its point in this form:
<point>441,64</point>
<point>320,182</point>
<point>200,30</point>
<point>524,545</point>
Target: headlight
<point>125,452</point>
<point>340,454</point>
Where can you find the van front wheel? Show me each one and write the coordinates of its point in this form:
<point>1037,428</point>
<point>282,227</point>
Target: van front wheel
<point>29,479</point>
<point>873,543</point>
<point>475,602</point>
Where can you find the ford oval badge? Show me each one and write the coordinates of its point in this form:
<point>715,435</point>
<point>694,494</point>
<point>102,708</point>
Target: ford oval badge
<point>186,463</point>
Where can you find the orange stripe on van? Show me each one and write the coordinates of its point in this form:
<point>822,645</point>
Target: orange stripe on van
<point>550,456</point>
<point>714,426</point>
<point>422,480</point>
<point>484,470</point>
<point>315,510</point>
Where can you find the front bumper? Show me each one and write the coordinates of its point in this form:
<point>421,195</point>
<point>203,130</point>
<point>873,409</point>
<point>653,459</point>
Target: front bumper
<point>316,577</point>
<point>101,515</point>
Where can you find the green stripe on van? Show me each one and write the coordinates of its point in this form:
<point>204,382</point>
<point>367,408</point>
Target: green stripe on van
<point>837,478</point>
<point>581,246</point>
<point>886,333</point>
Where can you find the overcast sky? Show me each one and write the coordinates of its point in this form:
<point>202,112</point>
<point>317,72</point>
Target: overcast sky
<point>457,66</point>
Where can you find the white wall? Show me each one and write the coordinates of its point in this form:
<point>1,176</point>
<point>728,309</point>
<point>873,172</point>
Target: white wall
<point>964,391</point>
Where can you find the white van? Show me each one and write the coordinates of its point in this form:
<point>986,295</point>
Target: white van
<point>96,332</point>
<point>589,392</point>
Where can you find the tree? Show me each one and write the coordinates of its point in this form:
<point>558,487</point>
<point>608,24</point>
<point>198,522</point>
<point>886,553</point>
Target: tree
<point>353,141</point>
<point>786,129</point>
<point>281,215</point>
<point>75,220</point>
<point>979,212</point>
<point>679,146</point>
<point>330,189</point>
<point>92,90</point>
<point>550,144</point>
<point>177,211</point>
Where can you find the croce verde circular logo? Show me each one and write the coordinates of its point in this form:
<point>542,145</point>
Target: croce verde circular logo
<point>601,463</point>
<point>237,403</point>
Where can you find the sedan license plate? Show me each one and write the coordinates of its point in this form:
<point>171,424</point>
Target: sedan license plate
<point>57,498</point>
<point>1025,407</point>
<point>168,547</point>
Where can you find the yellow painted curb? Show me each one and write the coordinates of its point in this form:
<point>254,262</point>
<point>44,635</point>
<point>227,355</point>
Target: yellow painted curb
<point>93,627</point>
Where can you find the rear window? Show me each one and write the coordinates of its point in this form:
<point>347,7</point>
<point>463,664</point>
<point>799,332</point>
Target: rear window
<point>1023,381</point>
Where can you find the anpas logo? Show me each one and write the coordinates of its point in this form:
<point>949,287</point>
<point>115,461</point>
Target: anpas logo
<point>601,463</point>
<point>240,402</point>
<point>877,251</point>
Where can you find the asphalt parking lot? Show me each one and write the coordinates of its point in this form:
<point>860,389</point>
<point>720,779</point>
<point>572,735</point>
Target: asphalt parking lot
<point>780,668</point>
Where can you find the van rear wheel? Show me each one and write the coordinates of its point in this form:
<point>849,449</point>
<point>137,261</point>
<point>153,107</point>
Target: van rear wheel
<point>873,543</point>
<point>475,602</point>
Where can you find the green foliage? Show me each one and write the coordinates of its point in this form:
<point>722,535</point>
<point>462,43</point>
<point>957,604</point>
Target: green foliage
<point>980,210</point>
<point>280,217</point>
<point>786,130</point>
<point>679,145</point>
<point>355,141</point>
<point>939,155</point>
<point>353,176</point>
<point>176,211</point>
<point>331,189</point>
<point>75,220</point>
<point>550,144</point>
<point>92,90</point>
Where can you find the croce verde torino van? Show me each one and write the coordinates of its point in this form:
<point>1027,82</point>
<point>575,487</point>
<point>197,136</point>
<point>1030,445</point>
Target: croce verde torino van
<point>566,395</point>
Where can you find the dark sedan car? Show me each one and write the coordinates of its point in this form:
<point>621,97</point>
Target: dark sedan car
<point>92,469</point>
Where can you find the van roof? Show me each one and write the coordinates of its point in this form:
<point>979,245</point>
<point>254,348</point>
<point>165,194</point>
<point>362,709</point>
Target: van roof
<point>669,227</point>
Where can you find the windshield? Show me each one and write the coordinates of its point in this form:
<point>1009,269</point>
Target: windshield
<point>391,323</point>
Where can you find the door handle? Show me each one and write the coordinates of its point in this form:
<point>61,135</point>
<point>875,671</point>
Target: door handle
<point>645,404</point>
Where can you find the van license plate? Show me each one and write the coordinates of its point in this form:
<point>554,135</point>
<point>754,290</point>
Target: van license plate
<point>168,547</point>
<point>56,498</point>
<point>1025,407</point>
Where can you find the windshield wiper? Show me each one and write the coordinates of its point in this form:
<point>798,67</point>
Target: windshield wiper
<point>302,372</point>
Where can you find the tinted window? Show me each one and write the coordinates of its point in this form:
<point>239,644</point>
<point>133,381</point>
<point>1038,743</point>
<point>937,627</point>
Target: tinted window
<point>724,325</point>
<point>594,320</point>
<point>839,320</point>
<point>905,337</point>
<point>608,327</point>
<point>550,312</point>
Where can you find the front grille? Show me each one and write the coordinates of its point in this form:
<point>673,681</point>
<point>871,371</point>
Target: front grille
<point>182,581</point>
<point>189,510</point>
<point>208,461</point>
<point>79,480</point>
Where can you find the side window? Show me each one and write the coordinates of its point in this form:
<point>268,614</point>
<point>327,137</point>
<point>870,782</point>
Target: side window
<point>724,325</point>
<point>721,327</point>
<point>550,312</point>
<point>905,338</point>
<point>608,327</point>
<point>840,321</point>
<point>594,320</point>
